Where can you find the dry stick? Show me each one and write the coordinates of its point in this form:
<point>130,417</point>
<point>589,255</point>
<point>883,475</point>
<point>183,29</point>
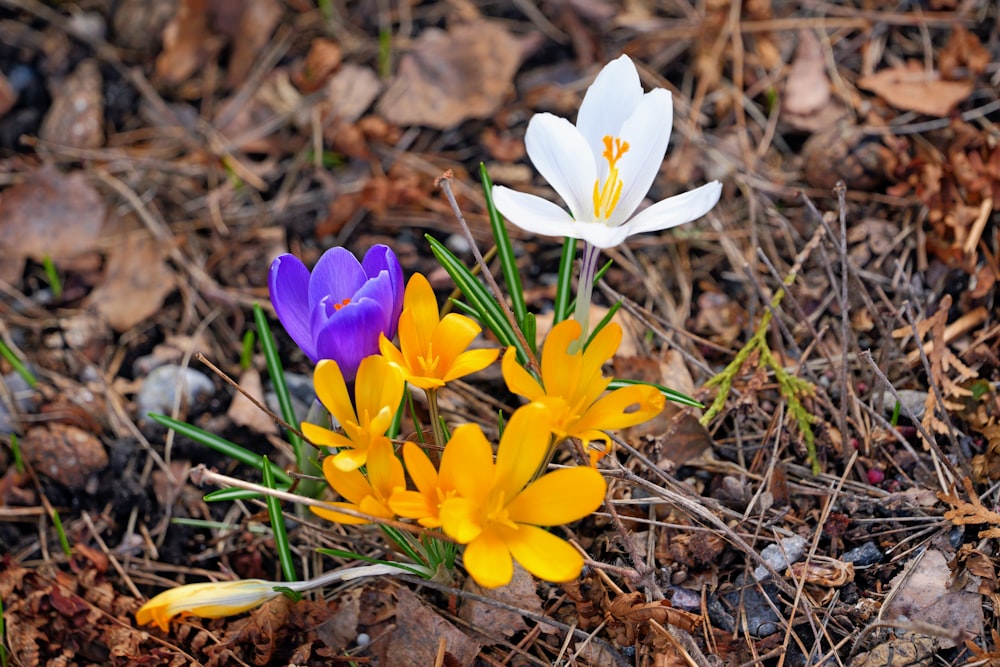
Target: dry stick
<point>444,182</point>
<point>867,356</point>
<point>845,321</point>
<point>228,380</point>
<point>201,474</point>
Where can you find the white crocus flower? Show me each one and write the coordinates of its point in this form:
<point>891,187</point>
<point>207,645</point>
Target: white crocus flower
<point>603,166</point>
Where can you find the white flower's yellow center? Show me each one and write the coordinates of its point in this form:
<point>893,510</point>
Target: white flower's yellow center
<point>606,195</point>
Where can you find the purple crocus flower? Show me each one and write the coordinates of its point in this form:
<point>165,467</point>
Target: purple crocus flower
<point>338,311</point>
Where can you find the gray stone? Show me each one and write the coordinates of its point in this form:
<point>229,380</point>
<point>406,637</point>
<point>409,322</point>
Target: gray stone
<point>779,556</point>
<point>159,390</point>
<point>867,554</point>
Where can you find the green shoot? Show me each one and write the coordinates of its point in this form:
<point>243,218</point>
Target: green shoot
<point>53,275</point>
<point>215,525</point>
<point>385,53</point>
<point>895,414</point>
<point>15,448</point>
<point>63,540</point>
<point>246,354</point>
<point>17,365</point>
<point>3,634</point>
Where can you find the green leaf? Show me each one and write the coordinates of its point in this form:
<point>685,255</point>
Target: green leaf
<point>277,518</point>
<point>671,394</point>
<point>564,286</point>
<point>221,445</point>
<point>508,263</point>
<point>277,375</point>
<point>229,495</point>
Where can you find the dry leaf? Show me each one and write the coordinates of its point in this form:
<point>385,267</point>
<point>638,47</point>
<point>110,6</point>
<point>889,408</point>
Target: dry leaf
<point>48,213</point>
<point>349,93</point>
<point>418,632</point>
<point>185,43</point>
<point>493,620</point>
<point>138,279</point>
<point>914,89</point>
<point>243,412</point>
<point>257,21</point>
<point>807,89</point>
<point>923,593</point>
<point>320,62</point>
<point>452,76</point>
<point>963,49</point>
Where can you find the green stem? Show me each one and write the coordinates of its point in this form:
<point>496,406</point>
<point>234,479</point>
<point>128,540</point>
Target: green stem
<point>584,292</point>
<point>437,427</point>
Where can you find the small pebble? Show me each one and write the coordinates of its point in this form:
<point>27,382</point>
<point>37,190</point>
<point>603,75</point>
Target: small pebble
<point>364,639</point>
<point>863,556</point>
<point>780,556</point>
<point>26,399</point>
<point>158,391</point>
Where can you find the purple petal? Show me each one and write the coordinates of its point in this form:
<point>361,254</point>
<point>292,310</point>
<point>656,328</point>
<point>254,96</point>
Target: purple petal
<point>337,274</point>
<point>381,258</point>
<point>288,284</point>
<point>351,334</point>
<point>379,289</point>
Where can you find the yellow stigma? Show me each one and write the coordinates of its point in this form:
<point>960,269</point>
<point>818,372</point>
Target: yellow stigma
<point>606,196</point>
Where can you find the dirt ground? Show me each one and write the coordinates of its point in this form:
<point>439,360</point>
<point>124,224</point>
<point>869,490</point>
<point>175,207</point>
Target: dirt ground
<point>834,503</point>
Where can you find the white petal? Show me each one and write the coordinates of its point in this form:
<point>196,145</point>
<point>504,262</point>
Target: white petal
<point>647,132</point>
<point>533,214</point>
<point>561,155</point>
<point>600,235</point>
<point>609,102</point>
<point>675,211</point>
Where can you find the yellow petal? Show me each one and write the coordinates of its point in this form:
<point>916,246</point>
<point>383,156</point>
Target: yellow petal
<point>560,369</point>
<point>324,436</point>
<point>470,362</point>
<point>391,354</point>
<point>520,381</point>
<point>470,453</point>
<point>208,600</point>
<point>414,505</point>
<point>543,554</point>
<point>461,519</point>
<point>601,349</point>
<point>451,336</point>
<point>559,497</point>
<point>421,470</point>
<point>420,302</point>
<point>523,447</point>
<point>350,459</point>
<point>488,560</point>
<point>622,408</point>
<point>338,517</point>
<point>332,391</point>
<point>379,385</point>
<point>385,471</point>
<point>351,485</point>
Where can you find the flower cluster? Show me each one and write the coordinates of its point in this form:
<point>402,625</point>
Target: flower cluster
<point>496,501</point>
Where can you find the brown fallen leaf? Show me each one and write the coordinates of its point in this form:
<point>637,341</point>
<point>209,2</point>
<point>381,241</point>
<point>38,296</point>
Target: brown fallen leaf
<point>923,593</point>
<point>186,40</point>
<point>807,88</point>
<point>258,20</point>
<point>138,279</point>
<point>418,633</point>
<point>48,213</point>
<point>492,620</point>
<point>243,412</point>
<point>911,88</point>
<point>452,76</point>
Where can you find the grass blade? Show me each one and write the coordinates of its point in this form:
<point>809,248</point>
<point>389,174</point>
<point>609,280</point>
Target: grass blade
<point>508,263</point>
<point>281,544</point>
<point>671,394</point>
<point>221,445</point>
<point>564,286</point>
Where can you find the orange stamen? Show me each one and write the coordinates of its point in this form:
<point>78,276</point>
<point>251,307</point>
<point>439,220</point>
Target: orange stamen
<point>606,196</point>
<point>338,306</point>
